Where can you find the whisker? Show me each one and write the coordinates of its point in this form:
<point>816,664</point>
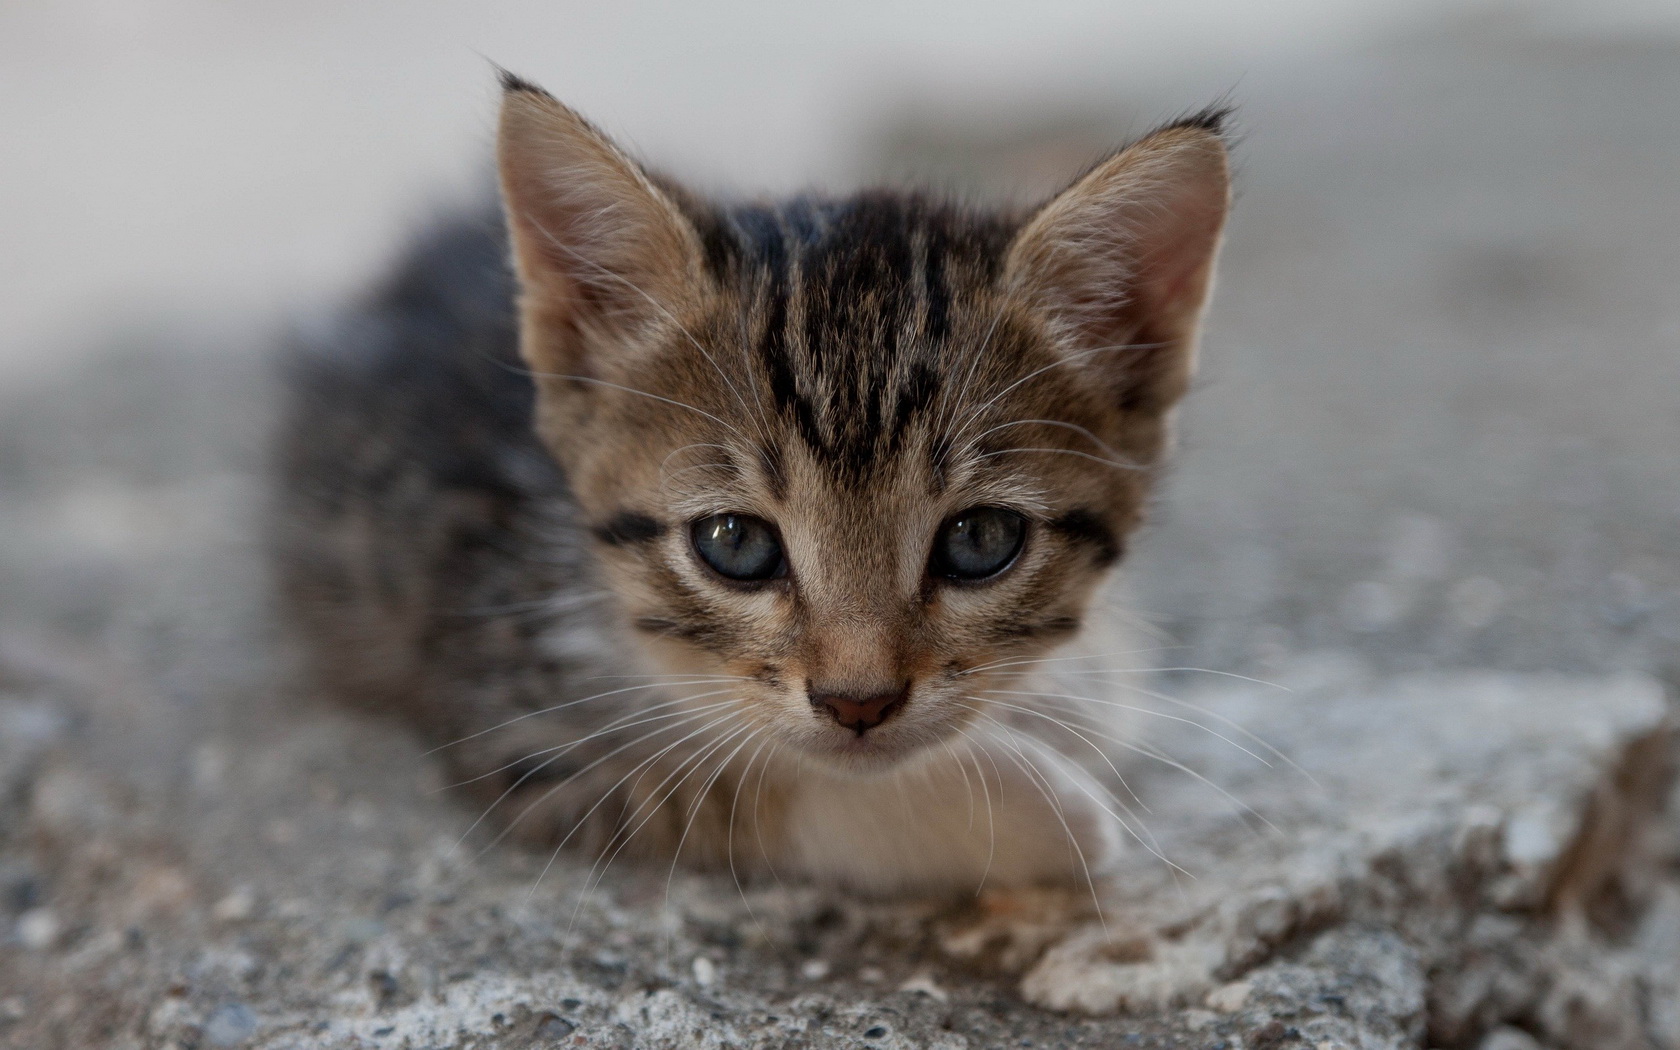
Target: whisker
<point>1088,742</point>
<point>951,406</point>
<point>729,846</point>
<point>1036,777</point>
<point>618,724</point>
<point>699,799</point>
<point>1146,838</point>
<point>1076,428</point>
<point>1115,464</point>
<point>1164,670</point>
<point>652,805</point>
<point>656,304</point>
<point>719,677</point>
<point>968,786</point>
<point>569,703</point>
<point>632,390</point>
<point>1076,357</point>
<point>639,767</point>
<point>1133,707</point>
<point>758,823</point>
<point>694,810</point>
<point>1156,754</point>
<point>991,816</point>
<point>1036,660</point>
<point>517,784</point>
<point>1228,722</point>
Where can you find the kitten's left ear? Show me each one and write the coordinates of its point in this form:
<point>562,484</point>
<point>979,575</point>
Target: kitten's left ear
<point>1120,263</point>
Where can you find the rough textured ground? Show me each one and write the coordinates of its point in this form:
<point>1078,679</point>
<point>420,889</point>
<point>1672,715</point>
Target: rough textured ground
<point>1430,486</point>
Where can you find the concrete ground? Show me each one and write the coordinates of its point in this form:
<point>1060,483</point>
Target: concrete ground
<point>1437,446</point>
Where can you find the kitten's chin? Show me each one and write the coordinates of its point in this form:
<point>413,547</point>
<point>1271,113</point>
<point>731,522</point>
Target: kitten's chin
<point>868,755</point>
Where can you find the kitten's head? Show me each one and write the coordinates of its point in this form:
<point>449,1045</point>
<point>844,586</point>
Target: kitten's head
<point>856,451</point>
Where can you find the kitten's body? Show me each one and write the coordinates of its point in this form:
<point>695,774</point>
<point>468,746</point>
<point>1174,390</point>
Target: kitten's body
<point>854,372</point>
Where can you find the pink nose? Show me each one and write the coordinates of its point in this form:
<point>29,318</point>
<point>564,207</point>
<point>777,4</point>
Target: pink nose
<point>860,713</point>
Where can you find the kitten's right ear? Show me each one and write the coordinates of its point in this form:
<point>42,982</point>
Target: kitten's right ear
<point>601,252</point>
<point>1123,259</point>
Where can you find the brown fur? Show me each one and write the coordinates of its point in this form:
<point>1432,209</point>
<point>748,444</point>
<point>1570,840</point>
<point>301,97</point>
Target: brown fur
<point>855,372</point>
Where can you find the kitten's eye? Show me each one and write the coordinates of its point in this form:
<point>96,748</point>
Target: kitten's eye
<point>979,542</point>
<point>739,546</point>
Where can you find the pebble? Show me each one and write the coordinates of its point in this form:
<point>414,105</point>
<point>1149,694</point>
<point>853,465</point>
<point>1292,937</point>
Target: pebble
<point>1229,998</point>
<point>229,1025</point>
<point>705,971</point>
<point>1506,1038</point>
<point>38,928</point>
<point>925,984</point>
<point>814,969</point>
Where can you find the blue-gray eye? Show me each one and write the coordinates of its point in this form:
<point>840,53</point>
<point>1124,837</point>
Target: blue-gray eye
<point>979,542</point>
<point>739,546</point>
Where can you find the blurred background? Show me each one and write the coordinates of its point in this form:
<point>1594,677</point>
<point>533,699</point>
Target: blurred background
<point>1439,421</point>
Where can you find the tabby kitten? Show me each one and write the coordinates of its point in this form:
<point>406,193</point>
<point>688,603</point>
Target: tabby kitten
<point>754,559</point>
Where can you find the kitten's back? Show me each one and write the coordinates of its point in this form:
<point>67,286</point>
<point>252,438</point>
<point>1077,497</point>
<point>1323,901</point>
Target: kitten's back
<point>405,453</point>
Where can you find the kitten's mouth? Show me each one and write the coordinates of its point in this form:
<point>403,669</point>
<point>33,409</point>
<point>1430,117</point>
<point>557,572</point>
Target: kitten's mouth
<point>876,750</point>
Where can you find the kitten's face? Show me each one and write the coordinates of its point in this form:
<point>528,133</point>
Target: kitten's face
<point>830,518</point>
<point>856,453</point>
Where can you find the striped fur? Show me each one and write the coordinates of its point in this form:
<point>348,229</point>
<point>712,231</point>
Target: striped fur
<point>479,544</point>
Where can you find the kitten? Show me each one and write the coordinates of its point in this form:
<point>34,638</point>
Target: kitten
<point>755,559</point>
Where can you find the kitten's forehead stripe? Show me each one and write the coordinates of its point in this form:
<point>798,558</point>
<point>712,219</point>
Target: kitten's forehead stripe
<point>853,302</point>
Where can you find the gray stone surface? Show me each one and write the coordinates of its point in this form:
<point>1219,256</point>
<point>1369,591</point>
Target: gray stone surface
<point>1437,434</point>
<point>1442,853</point>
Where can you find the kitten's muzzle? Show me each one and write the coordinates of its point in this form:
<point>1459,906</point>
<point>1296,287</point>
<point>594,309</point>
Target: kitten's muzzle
<point>860,713</point>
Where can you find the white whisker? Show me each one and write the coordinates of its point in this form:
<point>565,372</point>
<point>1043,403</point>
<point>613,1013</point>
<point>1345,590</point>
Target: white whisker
<point>1036,777</point>
<point>569,703</point>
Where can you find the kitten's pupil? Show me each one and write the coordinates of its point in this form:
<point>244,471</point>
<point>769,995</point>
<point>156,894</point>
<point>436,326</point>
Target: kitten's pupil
<point>739,546</point>
<point>979,542</point>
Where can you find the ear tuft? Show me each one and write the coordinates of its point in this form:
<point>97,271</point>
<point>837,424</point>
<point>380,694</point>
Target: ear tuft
<point>1211,119</point>
<point>514,82</point>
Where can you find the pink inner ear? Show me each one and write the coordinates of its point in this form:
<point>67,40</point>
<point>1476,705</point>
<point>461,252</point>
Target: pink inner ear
<point>1173,268</point>
<point>1130,247</point>
<point>596,244</point>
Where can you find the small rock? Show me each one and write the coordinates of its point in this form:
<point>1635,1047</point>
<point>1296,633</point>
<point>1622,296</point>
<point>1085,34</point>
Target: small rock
<point>553,1027</point>
<point>38,928</point>
<point>814,969</point>
<point>1531,837</point>
<point>229,1025</point>
<point>705,971</point>
<point>1229,998</point>
<point>1507,1038</point>
<point>924,983</point>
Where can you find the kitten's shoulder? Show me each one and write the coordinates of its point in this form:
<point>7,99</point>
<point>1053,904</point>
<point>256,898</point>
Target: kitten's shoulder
<point>403,455</point>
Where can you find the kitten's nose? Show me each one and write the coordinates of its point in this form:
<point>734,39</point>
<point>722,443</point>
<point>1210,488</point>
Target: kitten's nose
<point>859,713</point>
